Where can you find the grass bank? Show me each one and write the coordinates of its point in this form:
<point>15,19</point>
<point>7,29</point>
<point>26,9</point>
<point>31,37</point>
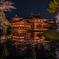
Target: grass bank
<point>52,35</point>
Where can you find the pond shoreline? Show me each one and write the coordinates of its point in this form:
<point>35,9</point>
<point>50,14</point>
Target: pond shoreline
<point>52,35</point>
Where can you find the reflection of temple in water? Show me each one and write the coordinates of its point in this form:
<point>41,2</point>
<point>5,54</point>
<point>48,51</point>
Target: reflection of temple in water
<point>24,37</point>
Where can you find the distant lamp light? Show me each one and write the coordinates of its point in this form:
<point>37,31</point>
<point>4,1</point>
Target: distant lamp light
<point>15,15</point>
<point>31,13</point>
<point>16,46</point>
<point>38,14</point>
<point>51,19</point>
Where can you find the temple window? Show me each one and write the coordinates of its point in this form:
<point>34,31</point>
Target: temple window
<point>23,27</point>
<point>37,26</point>
<point>31,26</point>
<point>37,34</point>
<point>32,34</point>
<point>21,34</point>
<point>17,27</point>
<point>17,34</point>
<point>13,27</point>
<point>24,34</point>
<point>13,33</point>
<point>20,27</point>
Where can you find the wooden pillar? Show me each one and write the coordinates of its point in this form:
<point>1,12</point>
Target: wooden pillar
<point>19,34</point>
<point>35,34</point>
<point>36,27</point>
<point>24,27</point>
<point>32,26</point>
<point>27,27</point>
<point>41,26</point>
<point>19,27</point>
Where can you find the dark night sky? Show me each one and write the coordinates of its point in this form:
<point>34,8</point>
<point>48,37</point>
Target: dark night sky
<point>26,7</point>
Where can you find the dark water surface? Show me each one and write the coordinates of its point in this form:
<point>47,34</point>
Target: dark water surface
<point>26,46</point>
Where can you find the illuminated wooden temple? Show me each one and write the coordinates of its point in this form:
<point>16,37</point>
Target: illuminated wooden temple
<point>33,22</point>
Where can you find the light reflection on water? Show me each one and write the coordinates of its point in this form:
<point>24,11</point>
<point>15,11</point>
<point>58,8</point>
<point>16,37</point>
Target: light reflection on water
<point>20,38</point>
<point>31,41</point>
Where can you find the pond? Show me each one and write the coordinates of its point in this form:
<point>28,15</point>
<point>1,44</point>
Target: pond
<point>57,27</point>
<point>31,46</point>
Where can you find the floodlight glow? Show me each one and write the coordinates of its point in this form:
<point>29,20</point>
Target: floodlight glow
<point>57,21</point>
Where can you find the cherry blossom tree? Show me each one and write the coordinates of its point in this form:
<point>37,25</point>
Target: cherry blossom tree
<point>54,8</point>
<point>6,5</point>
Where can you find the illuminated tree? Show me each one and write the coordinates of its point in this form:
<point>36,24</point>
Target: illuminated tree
<point>54,8</point>
<point>5,6</point>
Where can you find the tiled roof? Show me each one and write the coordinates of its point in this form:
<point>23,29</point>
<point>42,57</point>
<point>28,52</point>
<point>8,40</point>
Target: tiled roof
<point>37,16</point>
<point>18,20</point>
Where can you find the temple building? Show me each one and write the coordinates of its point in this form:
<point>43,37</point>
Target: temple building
<point>21,27</point>
<point>34,22</point>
